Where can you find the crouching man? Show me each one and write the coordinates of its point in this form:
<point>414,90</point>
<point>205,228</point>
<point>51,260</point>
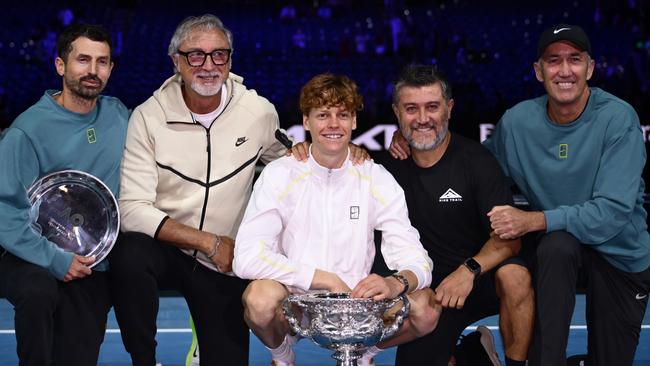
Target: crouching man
<point>309,226</point>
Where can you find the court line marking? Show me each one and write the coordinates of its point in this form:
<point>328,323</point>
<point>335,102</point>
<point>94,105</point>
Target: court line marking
<point>188,330</point>
<point>573,327</point>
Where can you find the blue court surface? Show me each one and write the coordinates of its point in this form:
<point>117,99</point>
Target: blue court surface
<point>174,338</point>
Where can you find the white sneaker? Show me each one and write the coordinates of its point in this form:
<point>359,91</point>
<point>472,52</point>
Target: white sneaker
<point>368,356</point>
<point>289,360</point>
<point>194,357</point>
<point>366,361</point>
<point>487,340</point>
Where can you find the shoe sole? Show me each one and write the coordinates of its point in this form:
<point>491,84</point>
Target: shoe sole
<point>192,357</point>
<point>488,343</point>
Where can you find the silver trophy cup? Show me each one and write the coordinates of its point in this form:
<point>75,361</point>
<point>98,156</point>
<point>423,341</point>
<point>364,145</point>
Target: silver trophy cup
<point>75,211</point>
<point>346,325</point>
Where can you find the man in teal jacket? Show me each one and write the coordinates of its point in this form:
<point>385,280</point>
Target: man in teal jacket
<point>577,154</point>
<point>60,304</point>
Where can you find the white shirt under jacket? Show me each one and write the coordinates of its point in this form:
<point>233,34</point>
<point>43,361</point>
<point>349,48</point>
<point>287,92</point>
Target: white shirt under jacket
<point>302,217</point>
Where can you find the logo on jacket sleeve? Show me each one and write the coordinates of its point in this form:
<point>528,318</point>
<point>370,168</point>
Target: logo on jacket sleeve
<point>450,196</point>
<point>240,140</point>
<point>354,212</point>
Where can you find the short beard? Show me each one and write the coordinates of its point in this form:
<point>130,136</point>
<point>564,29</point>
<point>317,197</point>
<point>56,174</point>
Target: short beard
<point>205,91</point>
<point>81,91</point>
<point>428,145</point>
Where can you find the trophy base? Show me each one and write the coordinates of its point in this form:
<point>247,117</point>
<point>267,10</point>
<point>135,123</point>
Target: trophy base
<point>347,354</point>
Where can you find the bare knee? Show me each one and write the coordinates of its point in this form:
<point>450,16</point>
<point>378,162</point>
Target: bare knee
<point>424,313</point>
<point>262,301</point>
<point>513,283</point>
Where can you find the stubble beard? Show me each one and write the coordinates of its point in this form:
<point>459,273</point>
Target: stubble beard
<point>77,88</point>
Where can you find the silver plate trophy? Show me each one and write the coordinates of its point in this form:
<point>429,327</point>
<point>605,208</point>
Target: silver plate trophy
<point>344,324</point>
<point>76,211</point>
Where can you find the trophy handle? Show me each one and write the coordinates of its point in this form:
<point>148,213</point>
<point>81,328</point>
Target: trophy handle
<point>400,316</point>
<point>294,323</point>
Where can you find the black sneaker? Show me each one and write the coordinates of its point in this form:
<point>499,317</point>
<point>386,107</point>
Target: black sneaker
<point>477,349</point>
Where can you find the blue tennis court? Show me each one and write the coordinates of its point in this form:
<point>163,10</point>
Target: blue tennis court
<point>174,338</point>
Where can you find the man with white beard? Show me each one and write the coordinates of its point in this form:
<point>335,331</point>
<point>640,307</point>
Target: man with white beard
<point>187,173</point>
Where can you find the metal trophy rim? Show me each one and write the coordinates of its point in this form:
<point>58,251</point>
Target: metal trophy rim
<point>338,298</point>
<point>55,179</point>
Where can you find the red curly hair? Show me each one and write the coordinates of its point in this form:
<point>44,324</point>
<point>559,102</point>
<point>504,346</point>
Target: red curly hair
<point>329,90</point>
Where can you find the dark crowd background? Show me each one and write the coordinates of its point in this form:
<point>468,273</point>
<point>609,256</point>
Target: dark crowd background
<point>485,47</point>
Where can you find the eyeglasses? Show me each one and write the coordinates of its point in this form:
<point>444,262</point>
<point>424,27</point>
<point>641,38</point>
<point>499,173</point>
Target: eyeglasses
<point>219,57</point>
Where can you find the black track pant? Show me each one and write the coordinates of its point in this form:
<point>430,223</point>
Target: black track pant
<point>56,323</point>
<point>141,266</point>
<point>616,303</point>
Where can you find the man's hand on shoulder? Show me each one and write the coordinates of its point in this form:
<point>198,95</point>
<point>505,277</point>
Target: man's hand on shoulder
<point>79,268</point>
<point>299,151</point>
<point>399,146</point>
<point>455,288</point>
<point>511,223</point>
<point>358,154</point>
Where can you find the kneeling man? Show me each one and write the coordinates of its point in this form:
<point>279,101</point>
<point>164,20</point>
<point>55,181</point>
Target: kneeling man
<point>309,226</point>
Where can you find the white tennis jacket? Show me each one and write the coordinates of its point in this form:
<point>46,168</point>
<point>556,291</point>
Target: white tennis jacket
<point>303,217</point>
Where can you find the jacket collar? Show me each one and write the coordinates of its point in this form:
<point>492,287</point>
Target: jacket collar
<point>325,173</point>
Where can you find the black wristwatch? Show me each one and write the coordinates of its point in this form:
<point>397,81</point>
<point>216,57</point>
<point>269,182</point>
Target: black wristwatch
<point>473,266</point>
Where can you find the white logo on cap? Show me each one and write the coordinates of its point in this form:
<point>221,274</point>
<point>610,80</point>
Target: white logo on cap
<point>556,31</point>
